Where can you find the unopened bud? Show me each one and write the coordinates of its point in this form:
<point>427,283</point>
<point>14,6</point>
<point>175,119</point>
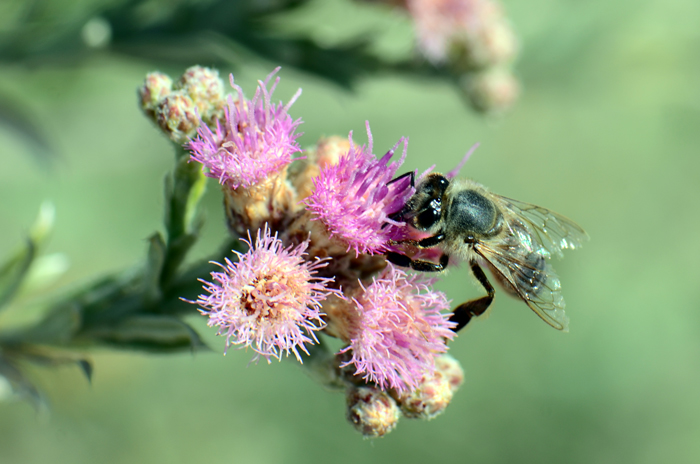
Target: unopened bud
<point>491,91</point>
<point>434,393</point>
<point>206,89</point>
<point>177,117</point>
<point>428,400</point>
<point>494,44</point>
<point>451,369</point>
<point>372,412</point>
<point>155,87</point>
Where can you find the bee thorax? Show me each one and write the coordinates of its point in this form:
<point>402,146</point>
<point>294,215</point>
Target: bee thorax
<point>471,213</point>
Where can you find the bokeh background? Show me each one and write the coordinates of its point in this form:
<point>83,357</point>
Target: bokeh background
<point>606,132</point>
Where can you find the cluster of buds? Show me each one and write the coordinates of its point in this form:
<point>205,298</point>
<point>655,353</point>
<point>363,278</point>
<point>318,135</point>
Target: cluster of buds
<point>180,107</point>
<point>375,412</point>
<point>475,39</point>
<point>318,223</point>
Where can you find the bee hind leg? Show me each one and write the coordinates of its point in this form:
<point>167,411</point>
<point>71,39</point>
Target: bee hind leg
<point>418,264</point>
<point>463,313</point>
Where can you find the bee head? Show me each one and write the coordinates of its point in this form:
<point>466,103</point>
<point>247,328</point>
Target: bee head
<point>425,208</point>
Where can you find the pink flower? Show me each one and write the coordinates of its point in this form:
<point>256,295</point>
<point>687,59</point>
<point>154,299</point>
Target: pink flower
<point>256,139</point>
<point>474,30</point>
<point>353,198</point>
<point>269,300</point>
<point>400,330</point>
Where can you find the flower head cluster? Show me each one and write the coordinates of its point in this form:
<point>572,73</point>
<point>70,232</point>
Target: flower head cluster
<point>355,197</point>
<point>474,40</point>
<point>323,269</point>
<point>256,138</point>
<point>473,30</point>
<point>269,300</point>
<point>399,330</point>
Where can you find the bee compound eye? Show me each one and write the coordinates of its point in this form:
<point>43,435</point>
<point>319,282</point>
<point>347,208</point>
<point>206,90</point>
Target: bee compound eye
<point>427,218</point>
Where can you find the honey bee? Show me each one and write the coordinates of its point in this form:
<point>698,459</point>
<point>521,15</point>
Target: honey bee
<point>511,238</point>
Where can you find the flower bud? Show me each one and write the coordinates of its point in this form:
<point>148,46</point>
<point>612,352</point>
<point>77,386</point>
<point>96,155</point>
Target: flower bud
<point>206,89</point>
<point>155,87</point>
<point>434,393</point>
<point>494,44</point>
<point>371,411</point>
<point>176,115</point>
<point>428,400</point>
<point>451,369</point>
<point>491,91</point>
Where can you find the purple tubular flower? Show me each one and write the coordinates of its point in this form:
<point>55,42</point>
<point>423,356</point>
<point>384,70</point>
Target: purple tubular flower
<point>454,172</point>
<point>256,138</point>
<point>354,198</point>
<point>269,300</point>
<point>399,331</point>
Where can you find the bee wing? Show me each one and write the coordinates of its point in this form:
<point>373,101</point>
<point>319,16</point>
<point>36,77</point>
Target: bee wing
<point>547,232</point>
<point>532,278</point>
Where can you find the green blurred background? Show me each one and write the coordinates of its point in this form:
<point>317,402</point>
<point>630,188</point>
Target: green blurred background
<point>607,132</point>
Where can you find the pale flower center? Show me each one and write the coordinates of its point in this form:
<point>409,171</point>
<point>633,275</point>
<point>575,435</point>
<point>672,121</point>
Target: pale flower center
<point>266,296</point>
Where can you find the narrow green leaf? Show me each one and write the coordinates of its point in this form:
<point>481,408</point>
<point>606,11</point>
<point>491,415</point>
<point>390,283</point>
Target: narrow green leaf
<point>86,366</point>
<point>13,272</point>
<point>58,327</point>
<point>21,385</point>
<point>177,252</point>
<point>198,187</point>
<point>15,269</point>
<point>154,268</point>
<point>52,357</point>
<point>183,193</point>
<point>43,224</point>
<point>149,333</point>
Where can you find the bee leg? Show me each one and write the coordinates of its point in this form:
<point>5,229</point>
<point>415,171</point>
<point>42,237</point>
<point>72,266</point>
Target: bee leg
<point>418,264</point>
<point>431,241</point>
<point>463,313</point>
<point>425,243</point>
<point>412,174</point>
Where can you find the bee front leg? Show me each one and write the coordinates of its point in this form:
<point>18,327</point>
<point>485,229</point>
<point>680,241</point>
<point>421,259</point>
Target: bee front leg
<point>418,264</point>
<point>463,313</point>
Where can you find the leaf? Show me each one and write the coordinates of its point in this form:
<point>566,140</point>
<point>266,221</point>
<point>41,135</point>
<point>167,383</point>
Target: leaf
<point>21,385</point>
<point>153,333</point>
<point>182,195</point>
<point>53,357</point>
<point>154,268</point>
<point>197,189</point>
<point>58,327</point>
<point>14,270</point>
<point>45,270</point>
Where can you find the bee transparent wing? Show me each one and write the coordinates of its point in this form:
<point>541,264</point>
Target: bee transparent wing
<point>546,231</point>
<point>532,278</point>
